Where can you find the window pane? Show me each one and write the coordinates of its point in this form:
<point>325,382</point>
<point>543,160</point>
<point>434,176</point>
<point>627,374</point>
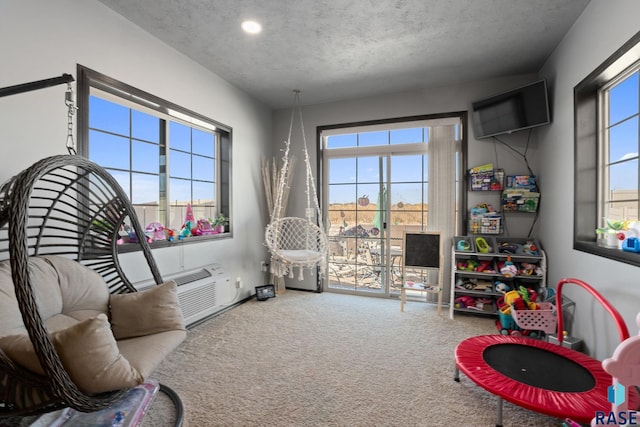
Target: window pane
<point>405,136</point>
<point>623,99</point>
<point>623,211</point>
<point>145,126</point>
<point>109,150</point>
<point>179,164</point>
<point>202,143</point>
<point>203,168</point>
<point>623,140</point>
<point>145,189</point>
<point>368,195</point>
<point>123,180</point>
<point>342,194</point>
<point>146,157</point>
<point>203,193</point>
<point>179,136</point>
<point>406,168</point>
<point>623,180</point>
<point>342,170</point>
<point>341,141</point>
<point>367,139</point>
<point>403,195</point>
<point>107,116</point>
<point>369,169</point>
<point>202,211</point>
<point>180,191</point>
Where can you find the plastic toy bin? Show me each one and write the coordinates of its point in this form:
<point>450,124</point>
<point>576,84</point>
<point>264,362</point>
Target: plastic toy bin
<point>543,319</point>
<point>464,244</point>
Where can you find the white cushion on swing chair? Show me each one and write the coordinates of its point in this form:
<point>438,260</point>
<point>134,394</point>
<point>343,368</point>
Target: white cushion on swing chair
<point>300,255</point>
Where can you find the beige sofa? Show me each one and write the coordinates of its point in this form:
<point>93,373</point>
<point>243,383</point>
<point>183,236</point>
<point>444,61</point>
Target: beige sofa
<point>105,342</point>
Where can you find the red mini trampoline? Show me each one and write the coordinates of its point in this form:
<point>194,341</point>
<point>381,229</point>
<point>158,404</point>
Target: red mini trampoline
<point>540,376</point>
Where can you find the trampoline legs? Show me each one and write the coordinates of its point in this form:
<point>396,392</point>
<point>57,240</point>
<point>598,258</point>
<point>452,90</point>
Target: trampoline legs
<point>499,415</point>
<point>456,374</point>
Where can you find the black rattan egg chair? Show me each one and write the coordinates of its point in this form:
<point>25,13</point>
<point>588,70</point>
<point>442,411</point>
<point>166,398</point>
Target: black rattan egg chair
<point>71,207</point>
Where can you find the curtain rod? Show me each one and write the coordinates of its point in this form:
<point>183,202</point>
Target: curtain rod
<point>39,84</point>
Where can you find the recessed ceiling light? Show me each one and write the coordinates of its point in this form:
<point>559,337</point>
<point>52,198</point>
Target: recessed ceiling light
<point>251,27</point>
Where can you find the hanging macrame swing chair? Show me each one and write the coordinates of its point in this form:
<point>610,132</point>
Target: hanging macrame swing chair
<point>296,242</point>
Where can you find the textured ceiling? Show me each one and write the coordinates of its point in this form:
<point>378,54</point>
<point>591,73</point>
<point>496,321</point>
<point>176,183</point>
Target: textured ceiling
<point>336,50</point>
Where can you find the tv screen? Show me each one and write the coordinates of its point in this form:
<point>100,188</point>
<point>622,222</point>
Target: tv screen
<point>518,109</point>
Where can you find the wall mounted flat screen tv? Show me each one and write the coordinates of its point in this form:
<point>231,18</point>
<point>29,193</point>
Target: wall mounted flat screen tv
<point>518,109</point>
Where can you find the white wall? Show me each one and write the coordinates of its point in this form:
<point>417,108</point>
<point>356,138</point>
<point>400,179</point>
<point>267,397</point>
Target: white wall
<point>411,103</point>
<point>41,39</point>
<point>603,28</point>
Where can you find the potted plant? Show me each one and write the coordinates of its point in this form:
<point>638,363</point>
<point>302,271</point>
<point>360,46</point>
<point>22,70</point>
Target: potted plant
<point>219,222</point>
<point>613,231</point>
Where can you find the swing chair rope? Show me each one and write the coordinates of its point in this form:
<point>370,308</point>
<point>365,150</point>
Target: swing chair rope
<point>310,181</point>
<point>296,241</point>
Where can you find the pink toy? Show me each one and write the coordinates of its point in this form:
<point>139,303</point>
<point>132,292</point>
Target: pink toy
<point>465,301</point>
<point>204,228</point>
<point>624,367</point>
<point>155,231</point>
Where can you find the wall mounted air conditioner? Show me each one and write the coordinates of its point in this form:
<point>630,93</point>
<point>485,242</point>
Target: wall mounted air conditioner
<point>201,292</point>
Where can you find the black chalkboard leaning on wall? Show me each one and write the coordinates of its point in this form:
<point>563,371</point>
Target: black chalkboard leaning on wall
<point>421,249</point>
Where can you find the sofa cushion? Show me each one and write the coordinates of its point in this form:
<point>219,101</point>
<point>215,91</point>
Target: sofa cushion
<point>146,312</point>
<point>88,352</point>
<point>44,280</point>
<point>81,287</point>
<point>60,286</point>
<point>146,353</point>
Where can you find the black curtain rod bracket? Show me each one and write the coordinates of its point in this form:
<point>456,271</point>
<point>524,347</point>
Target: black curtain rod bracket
<point>39,84</point>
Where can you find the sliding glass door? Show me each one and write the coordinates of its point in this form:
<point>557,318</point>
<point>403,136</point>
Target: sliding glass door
<point>377,182</point>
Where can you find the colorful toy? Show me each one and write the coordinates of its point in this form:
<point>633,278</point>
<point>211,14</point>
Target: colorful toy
<point>501,287</point>
<point>467,265</point>
<point>530,248</point>
<point>508,269</point>
<point>204,228</point>
<point>464,301</point>
<point>482,266</point>
<point>155,231</point>
<point>190,226</point>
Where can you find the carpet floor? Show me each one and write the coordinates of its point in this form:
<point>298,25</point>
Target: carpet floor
<point>307,359</point>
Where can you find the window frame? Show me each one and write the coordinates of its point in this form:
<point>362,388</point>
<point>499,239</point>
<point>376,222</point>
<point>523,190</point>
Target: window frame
<point>88,79</point>
<point>587,128</point>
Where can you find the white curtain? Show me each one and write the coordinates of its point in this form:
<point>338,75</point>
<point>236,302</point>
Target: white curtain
<point>442,150</point>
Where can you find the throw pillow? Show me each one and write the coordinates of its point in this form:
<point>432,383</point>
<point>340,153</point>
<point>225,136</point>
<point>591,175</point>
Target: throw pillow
<point>146,312</point>
<point>88,352</point>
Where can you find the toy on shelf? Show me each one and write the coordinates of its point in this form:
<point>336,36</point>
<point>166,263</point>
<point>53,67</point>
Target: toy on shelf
<point>189,227</point>
<point>501,287</point>
<point>473,265</point>
<point>508,269</point>
<point>155,231</point>
<point>474,284</point>
<point>204,228</point>
<point>474,303</point>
